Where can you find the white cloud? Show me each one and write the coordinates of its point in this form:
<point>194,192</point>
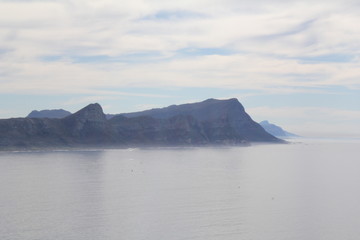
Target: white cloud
<point>247,71</point>
<point>266,37</point>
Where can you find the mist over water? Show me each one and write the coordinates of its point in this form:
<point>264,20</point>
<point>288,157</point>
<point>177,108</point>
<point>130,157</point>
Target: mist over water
<point>307,190</point>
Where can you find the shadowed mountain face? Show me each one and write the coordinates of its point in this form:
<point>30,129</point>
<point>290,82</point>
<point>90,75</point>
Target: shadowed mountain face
<point>276,130</point>
<point>55,113</point>
<point>220,120</point>
<point>145,130</point>
<point>208,122</point>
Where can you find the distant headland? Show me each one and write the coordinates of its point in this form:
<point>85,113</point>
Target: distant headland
<point>210,122</point>
<point>276,130</point>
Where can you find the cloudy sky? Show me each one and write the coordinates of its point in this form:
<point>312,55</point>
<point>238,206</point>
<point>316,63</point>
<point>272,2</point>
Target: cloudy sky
<point>294,63</point>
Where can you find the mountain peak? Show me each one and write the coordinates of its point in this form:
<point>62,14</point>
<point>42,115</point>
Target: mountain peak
<point>92,112</point>
<point>214,101</point>
<point>88,124</point>
<point>93,106</point>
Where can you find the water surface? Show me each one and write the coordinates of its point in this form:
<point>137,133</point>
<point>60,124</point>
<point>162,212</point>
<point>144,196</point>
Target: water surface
<point>308,190</point>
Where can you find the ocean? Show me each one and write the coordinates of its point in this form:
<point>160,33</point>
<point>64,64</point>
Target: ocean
<point>308,189</point>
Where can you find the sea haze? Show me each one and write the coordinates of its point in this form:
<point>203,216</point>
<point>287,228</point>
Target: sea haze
<point>307,190</point>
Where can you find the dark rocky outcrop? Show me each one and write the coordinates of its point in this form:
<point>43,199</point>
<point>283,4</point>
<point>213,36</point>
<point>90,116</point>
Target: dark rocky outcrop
<point>54,113</point>
<point>208,122</point>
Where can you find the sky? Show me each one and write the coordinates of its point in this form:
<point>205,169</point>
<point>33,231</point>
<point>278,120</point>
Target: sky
<point>294,63</point>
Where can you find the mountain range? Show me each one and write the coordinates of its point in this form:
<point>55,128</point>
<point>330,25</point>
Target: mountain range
<point>211,122</point>
<point>161,113</point>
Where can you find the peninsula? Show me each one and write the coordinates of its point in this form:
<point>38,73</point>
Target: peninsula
<point>211,122</point>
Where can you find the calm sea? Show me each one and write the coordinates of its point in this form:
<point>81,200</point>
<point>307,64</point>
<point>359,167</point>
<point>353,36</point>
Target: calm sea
<point>302,191</point>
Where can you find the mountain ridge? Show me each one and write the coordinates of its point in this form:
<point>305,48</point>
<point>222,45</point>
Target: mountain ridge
<point>219,122</point>
<point>51,113</point>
